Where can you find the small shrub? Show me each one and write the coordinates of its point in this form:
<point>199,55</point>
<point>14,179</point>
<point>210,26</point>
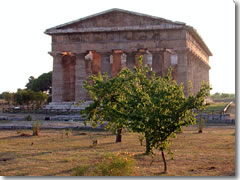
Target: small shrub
<point>28,118</point>
<point>81,170</point>
<point>200,125</point>
<point>179,130</point>
<point>111,165</point>
<point>68,132</point>
<point>115,165</point>
<point>94,142</point>
<point>141,138</point>
<point>36,128</point>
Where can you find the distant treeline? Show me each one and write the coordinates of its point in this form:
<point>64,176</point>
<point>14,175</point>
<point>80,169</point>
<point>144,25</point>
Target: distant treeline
<point>218,95</point>
<point>36,94</point>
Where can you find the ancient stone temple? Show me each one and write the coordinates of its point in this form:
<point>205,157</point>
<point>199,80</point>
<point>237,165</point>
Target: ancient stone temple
<point>113,39</point>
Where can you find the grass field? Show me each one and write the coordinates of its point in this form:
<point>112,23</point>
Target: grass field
<point>211,153</point>
<point>218,106</point>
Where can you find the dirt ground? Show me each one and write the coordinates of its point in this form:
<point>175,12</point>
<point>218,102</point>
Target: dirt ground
<point>53,153</point>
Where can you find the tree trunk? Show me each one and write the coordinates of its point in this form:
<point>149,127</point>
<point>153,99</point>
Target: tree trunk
<point>164,161</point>
<point>119,136</point>
<point>148,147</point>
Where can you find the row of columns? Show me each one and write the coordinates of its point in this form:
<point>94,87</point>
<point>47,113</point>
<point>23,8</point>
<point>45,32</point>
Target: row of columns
<point>71,70</point>
<point>198,71</point>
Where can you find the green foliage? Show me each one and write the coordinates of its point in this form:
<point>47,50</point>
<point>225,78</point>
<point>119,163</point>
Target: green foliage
<point>29,97</point>
<point>216,106</point>
<point>42,83</point>
<point>7,96</point>
<point>81,170</point>
<point>144,103</point>
<point>111,165</point>
<point>106,94</point>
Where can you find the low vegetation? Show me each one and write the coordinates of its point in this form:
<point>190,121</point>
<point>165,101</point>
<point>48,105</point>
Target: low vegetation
<point>217,107</point>
<point>211,153</point>
<point>118,164</point>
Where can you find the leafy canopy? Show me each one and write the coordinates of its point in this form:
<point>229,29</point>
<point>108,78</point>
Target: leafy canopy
<point>144,103</point>
<point>42,83</point>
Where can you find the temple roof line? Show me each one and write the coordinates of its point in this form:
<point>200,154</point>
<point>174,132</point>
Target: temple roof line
<point>104,29</point>
<point>114,10</point>
<point>166,24</point>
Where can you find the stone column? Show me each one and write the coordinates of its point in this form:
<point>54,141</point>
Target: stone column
<point>57,78</point>
<point>81,71</point>
<point>96,62</point>
<point>166,62</point>
<point>118,61</point>
<point>182,75</point>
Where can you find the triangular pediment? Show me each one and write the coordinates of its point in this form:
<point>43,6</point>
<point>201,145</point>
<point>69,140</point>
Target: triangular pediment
<point>113,18</point>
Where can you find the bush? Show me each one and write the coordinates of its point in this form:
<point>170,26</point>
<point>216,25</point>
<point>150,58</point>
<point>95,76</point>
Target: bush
<point>200,125</point>
<point>36,128</point>
<point>81,170</point>
<point>111,165</point>
<point>28,118</point>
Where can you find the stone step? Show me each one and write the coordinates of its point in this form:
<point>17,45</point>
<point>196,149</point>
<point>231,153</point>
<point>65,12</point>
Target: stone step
<point>67,105</point>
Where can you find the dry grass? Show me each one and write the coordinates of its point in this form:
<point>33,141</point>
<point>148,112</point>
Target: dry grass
<point>211,153</point>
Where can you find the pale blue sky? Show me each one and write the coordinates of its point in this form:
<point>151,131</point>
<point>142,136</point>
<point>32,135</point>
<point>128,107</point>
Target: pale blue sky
<point>24,47</point>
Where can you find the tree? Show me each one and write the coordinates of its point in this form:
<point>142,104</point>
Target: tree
<point>105,94</point>
<point>29,97</point>
<point>40,98</point>
<point>7,96</point>
<point>42,83</point>
<point>144,103</point>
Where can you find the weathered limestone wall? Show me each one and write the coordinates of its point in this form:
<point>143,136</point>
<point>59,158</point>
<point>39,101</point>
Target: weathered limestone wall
<point>174,48</point>
<point>198,71</point>
<point>126,41</point>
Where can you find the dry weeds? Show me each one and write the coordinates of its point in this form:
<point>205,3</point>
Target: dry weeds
<point>211,153</point>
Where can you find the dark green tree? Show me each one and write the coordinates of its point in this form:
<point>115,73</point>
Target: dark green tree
<point>7,96</point>
<point>42,83</point>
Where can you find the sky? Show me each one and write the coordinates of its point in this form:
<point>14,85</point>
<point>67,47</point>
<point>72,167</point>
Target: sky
<point>24,47</point>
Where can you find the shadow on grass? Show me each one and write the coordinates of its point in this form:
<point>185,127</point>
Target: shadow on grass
<point>18,136</point>
<point>161,174</point>
<point>62,172</point>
